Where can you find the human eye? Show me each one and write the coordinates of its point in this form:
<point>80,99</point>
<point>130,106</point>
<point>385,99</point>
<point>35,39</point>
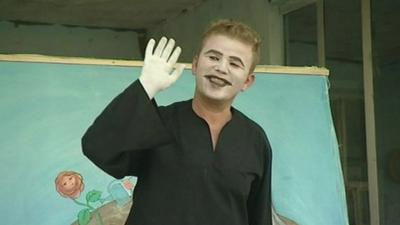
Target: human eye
<point>213,57</point>
<point>233,64</point>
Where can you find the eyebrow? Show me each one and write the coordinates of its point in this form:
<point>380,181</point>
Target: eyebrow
<point>235,58</point>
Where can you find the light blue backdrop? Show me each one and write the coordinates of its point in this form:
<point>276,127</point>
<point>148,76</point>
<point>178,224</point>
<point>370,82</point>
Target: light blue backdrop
<point>45,109</point>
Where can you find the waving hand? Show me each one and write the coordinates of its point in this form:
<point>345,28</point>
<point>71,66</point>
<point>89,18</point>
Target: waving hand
<point>160,69</point>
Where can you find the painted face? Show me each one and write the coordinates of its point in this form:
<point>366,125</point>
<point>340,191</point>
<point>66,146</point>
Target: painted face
<point>68,182</point>
<point>222,68</point>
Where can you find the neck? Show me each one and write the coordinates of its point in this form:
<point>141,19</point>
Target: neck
<point>214,112</point>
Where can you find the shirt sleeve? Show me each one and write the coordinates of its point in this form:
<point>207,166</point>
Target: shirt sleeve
<point>120,138</point>
<point>259,201</point>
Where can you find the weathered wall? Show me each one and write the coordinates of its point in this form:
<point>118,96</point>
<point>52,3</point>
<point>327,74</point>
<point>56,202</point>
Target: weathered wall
<point>68,41</point>
<point>187,28</point>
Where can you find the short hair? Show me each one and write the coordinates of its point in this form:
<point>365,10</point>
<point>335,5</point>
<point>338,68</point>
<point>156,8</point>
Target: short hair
<point>236,30</point>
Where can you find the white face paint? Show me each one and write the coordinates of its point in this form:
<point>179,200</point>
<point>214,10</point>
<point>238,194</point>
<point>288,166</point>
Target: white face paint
<point>222,68</point>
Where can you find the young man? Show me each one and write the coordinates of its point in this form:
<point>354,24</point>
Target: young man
<point>198,162</point>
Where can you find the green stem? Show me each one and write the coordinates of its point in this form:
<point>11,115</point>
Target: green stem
<point>91,208</point>
<point>82,204</point>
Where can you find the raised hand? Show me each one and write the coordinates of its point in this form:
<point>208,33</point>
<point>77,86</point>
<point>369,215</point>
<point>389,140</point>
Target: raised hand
<point>160,69</point>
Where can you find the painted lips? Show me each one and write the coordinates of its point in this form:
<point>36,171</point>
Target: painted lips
<point>221,82</point>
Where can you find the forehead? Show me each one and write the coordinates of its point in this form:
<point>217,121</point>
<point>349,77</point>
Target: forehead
<point>228,46</point>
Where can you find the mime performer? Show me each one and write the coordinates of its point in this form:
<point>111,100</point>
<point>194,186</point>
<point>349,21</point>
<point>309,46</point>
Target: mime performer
<point>199,161</point>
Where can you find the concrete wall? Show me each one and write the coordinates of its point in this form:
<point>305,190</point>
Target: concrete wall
<point>68,41</point>
<point>187,28</point>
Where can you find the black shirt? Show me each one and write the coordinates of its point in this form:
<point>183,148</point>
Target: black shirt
<point>181,179</point>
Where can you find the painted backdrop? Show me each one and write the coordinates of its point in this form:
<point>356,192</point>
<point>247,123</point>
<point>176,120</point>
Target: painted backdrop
<point>45,109</point>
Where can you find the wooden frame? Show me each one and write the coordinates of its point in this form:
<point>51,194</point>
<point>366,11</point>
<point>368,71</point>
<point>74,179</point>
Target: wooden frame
<point>370,113</point>
<point>131,63</point>
<point>368,91</point>
<point>290,6</point>
<point>321,33</point>
<point>275,41</point>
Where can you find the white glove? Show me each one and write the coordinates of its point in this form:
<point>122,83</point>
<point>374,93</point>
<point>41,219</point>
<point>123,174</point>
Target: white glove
<point>158,70</point>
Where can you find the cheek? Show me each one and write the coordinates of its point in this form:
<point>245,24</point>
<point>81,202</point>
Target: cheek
<point>239,79</point>
<point>202,66</point>
<point>71,181</point>
<point>242,84</point>
<point>66,184</point>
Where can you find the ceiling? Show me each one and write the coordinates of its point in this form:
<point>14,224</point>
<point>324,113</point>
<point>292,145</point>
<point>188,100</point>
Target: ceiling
<point>117,14</point>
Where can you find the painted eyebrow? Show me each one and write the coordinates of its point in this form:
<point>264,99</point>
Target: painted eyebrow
<point>235,58</point>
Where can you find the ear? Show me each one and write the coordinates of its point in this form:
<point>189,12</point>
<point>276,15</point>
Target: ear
<point>249,81</point>
<point>194,64</point>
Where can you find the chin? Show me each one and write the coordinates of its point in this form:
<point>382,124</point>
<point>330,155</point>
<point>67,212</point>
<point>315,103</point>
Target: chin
<point>215,95</point>
<point>218,98</point>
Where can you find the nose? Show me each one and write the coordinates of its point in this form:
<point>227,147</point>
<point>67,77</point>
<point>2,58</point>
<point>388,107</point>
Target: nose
<point>222,66</point>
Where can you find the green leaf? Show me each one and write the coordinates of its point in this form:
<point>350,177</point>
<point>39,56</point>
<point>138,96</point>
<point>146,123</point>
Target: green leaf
<point>93,196</point>
<point>84,216</point>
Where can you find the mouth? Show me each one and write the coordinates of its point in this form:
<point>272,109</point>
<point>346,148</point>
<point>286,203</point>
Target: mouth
<point>220,82</point>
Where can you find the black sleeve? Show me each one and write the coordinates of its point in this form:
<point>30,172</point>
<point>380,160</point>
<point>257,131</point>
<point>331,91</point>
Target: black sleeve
<point>259,201</point>
<point>120,138</point>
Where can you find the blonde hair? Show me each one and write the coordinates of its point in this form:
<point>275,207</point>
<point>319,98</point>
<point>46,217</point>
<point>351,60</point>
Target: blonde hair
<point>238,31</point>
